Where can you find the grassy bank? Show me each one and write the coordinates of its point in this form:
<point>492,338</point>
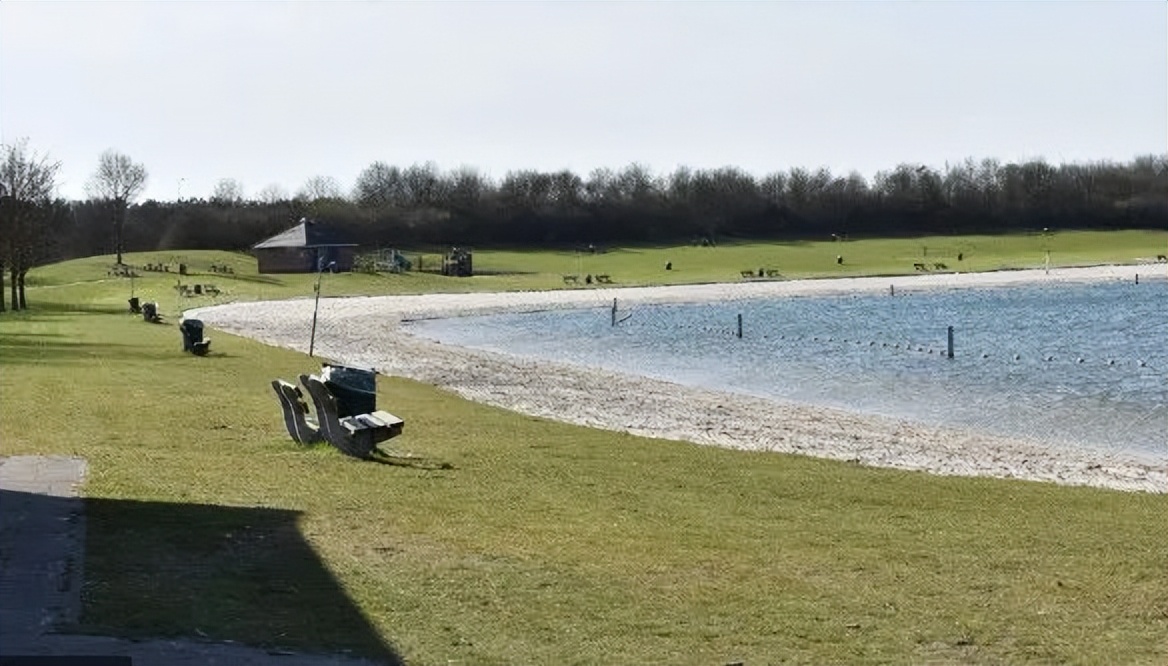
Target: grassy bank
<point>543,543</point>
<point>504,270</point>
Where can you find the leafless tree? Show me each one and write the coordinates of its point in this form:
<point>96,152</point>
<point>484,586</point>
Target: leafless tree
<point>320,187</point>
<point>118,181</point>
<point>467,187</point>
<point>378,186</point>
<point>27,182</point>
<point>228,191</point>
<point>272,194</point>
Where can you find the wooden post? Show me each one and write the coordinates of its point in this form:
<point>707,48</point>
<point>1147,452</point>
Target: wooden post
<point>614,312</point>
<point>740,324</point>
<point>891,290</point>
<point>950,342</point>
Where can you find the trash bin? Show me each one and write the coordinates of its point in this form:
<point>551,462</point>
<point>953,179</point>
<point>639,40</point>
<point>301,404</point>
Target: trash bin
<point>135,305</point>
<point>192,333</point>
<point>355,388</point>
<point>150,311</point>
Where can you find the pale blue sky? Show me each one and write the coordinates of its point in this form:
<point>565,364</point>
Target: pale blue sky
<point>278,92</point>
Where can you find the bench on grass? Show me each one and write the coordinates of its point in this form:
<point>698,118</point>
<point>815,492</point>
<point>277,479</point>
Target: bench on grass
<point>192,335</point>
<point>150,313</point>
<point>604,279</point>
<point>301,427</point>
<point>358,435</point>
<point>571,279</point>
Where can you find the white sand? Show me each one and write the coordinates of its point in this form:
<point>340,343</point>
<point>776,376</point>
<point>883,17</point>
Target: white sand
<point>365,332</point>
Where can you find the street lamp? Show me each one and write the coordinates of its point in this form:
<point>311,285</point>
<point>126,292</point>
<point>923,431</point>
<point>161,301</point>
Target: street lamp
<point>320,266</point>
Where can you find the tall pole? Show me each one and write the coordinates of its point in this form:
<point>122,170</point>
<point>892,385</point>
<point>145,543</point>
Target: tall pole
<point>316,305</point>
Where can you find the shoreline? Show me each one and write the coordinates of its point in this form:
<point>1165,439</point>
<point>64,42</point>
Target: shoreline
<point>365,331</point>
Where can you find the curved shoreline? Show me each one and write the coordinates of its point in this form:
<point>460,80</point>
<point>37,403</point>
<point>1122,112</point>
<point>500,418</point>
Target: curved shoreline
<point>365,331</point>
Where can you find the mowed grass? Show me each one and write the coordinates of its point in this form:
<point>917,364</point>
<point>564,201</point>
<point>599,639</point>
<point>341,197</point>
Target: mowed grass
<point>508,270</point>
<point>543,542</point>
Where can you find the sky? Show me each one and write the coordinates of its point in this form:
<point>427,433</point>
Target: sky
<point>274,92</point>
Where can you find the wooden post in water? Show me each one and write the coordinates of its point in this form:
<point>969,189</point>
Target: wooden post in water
<point>950,342</point>
<point>614,312</point>
<point>891,290</point>
<point>740,324</point>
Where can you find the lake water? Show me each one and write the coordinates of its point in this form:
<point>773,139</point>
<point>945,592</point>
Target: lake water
<point>1078,364</point>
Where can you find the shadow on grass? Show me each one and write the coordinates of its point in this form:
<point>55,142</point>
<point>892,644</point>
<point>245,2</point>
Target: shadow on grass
<point>44,349</point>
<point>246,277</point>
<point>228,573</point>
<point>45,309</point>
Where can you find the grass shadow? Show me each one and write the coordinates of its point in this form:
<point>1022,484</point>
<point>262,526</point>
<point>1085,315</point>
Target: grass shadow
<point>39,349</point>
<point>246,277</point>
<point>227,573</point>
<point>56,308</point>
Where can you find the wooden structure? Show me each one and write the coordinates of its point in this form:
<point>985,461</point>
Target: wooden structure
<point>305,248</point>
<point>458,263</point>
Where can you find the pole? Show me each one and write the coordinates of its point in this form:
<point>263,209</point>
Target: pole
<point>950,342</point>
<point>316,305</point>
<point>740,324</point>
<point>614,312</point>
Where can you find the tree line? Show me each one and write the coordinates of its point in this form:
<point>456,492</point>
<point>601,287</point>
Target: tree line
<point>420,205</point>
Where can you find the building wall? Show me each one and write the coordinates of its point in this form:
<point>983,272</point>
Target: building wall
<point>303,259</point>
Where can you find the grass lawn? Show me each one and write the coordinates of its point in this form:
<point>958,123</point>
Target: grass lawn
<point>546,543</point>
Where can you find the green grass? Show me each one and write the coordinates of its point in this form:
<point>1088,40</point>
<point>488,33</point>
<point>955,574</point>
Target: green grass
<point>508,270</point>
<point>545,543</point>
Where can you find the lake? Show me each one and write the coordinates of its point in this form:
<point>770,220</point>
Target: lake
<point>1081,365</point>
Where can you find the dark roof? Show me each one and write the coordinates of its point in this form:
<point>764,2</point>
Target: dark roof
<point>305,234</point>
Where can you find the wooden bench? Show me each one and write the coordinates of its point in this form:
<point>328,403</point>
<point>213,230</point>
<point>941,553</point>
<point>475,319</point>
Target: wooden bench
<point>771,272</point>
<point>571,279</point>
<point>939,266</point>
<point>748,273</point>
<point>122,270</point>
<point>920,267</point>
<point>604,279</point>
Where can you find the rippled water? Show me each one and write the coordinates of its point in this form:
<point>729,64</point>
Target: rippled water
<point>1079,364</point>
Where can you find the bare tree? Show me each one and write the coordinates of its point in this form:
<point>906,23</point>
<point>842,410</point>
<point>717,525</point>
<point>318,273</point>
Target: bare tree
<point>320,187</point>
<point>27,182</point>
<point>379,185</point>
<point>467,187</point>
<point>272,194</point>
<point>118,180</point>
<point>228,191</point>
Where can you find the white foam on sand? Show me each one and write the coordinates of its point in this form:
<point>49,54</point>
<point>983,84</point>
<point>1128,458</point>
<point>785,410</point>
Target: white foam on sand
<point>365,331</point>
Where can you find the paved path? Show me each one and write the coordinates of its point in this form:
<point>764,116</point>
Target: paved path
<point>42,532</point>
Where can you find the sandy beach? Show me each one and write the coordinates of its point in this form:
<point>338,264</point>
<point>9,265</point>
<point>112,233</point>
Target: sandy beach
<point>366,331</point>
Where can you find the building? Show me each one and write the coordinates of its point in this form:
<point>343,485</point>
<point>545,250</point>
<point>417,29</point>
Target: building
<point>305,248</point>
